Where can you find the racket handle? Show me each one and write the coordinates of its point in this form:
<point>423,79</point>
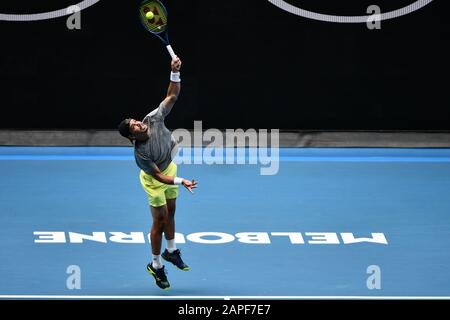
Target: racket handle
<point>172,53</point>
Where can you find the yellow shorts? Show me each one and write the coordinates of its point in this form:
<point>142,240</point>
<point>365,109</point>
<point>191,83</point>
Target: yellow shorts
<point>158,192</point>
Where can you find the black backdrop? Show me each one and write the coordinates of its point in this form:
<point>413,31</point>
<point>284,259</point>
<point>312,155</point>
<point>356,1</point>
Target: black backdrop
<point>247,64</point>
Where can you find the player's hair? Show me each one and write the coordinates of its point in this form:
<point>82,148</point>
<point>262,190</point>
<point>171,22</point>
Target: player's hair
<point>124,129</point>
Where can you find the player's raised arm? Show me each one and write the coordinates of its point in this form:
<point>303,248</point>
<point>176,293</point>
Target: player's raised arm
<point>174,87</point>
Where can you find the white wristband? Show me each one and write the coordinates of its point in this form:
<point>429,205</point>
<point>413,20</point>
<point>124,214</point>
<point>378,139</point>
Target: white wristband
<point>175,77</point>
<point>177,180</point>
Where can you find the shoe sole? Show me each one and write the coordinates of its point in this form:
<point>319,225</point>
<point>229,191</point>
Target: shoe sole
<point>183,269</point>
<point>154,278</point>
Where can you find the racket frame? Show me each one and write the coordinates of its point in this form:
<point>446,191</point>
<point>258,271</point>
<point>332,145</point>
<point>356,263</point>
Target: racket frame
<point>162,35</point>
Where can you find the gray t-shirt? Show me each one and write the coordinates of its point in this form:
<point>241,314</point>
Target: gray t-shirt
<point>159,150</point>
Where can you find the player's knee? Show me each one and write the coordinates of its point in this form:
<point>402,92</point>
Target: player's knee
<point>158,224</point>
<point>171,213</point>
<point>159,216</point>
<point>171,206</point>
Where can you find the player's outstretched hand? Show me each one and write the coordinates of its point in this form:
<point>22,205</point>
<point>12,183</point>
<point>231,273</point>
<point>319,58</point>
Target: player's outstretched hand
<point>190,185</point>
<point>176,65</point>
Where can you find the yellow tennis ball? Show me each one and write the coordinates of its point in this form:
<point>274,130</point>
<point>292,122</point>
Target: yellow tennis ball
<point>149,15</point>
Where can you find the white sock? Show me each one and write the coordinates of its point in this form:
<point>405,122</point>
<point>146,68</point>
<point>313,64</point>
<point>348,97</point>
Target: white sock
<point>171,246</point>
<point>156,261</point>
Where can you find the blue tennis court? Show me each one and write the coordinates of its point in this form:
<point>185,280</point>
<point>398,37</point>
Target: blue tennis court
<point>312,229</point>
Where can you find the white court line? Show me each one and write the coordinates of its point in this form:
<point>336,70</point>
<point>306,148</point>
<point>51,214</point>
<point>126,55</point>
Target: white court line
<point>82,297</point>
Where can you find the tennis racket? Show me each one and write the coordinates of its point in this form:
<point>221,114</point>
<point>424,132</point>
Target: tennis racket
<point>157,25</point>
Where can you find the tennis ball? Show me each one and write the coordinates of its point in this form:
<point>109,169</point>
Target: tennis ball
<point>149,15</point>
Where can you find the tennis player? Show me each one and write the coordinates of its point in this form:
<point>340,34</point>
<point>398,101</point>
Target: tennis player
<point>154,149</point>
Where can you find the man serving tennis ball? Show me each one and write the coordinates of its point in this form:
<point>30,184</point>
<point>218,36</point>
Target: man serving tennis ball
<point>154,149</point>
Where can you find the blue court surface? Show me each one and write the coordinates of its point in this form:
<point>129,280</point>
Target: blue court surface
<point>331,223</point>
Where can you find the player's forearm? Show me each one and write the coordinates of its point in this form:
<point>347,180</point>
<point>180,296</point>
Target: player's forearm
<point>174,90</point>
<point>163,178</point>
<point>175,80</point>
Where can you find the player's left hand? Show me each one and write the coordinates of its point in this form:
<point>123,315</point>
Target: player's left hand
<point>190,185</point>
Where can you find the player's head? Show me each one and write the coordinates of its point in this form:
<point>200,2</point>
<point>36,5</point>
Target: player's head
<point>133,129</point>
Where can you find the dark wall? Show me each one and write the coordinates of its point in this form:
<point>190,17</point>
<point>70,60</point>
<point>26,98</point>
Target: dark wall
<point>247,64</point>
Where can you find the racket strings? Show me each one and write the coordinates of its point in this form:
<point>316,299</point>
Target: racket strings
<point>159,21</point>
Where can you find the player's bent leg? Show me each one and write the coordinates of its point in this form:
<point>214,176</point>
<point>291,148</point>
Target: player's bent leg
<point>169,229</point>
<point>172,254</point>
